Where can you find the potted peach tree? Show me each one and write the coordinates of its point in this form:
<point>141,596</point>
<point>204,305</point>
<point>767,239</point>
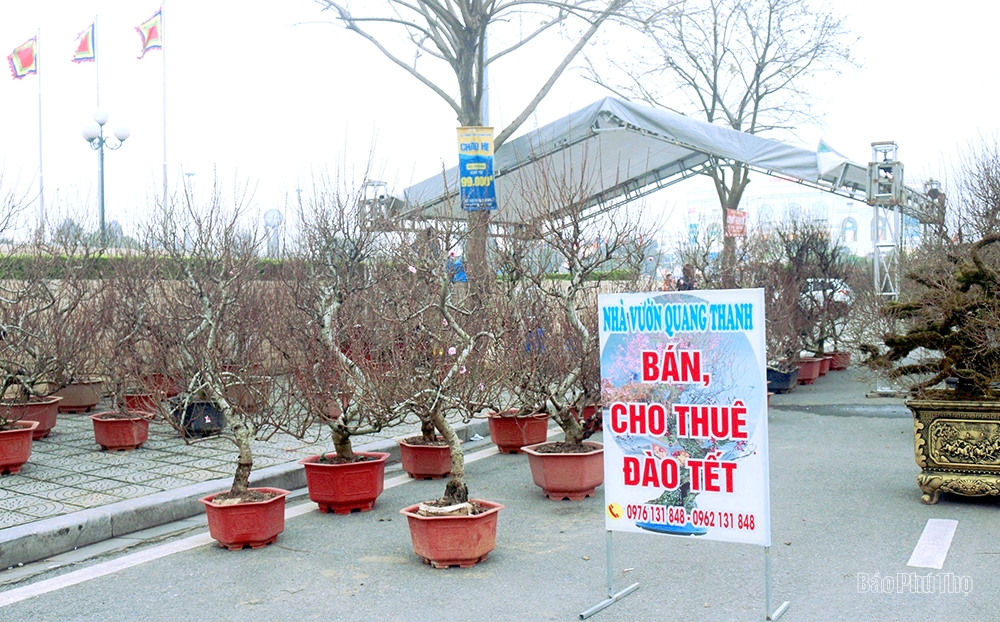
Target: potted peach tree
<point>216,313</point>
<point>342,360</point>
<point>452,370</point>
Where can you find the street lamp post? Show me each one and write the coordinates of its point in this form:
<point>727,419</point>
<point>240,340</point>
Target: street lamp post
<point>93,133</point>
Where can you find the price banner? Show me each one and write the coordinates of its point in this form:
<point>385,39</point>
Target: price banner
<point>475,169</point>
<point>685,414</point>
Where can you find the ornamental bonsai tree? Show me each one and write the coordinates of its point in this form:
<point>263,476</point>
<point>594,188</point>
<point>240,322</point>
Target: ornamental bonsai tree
<point>48,316</point>
<point>449,336</point>
<point>213,310</point>
<point>949,317</point>
<point>343,359</point>
<point>595,254</point>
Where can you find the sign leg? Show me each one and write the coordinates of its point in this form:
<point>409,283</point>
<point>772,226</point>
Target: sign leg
<point>610,574</point>
<point>767,590</point>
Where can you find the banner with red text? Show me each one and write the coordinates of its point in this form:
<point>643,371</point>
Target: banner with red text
<point>684,392</point>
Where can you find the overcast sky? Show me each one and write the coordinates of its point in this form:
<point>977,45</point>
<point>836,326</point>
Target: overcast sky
<point>268,93</point>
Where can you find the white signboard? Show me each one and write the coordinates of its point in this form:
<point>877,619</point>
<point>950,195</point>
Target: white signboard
<point>685,414</point>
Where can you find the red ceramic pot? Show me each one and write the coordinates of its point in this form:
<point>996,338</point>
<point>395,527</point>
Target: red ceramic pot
<point>15,446</point>
<point>255,524</point>
<point>347,487</point>
<point>444,541</point>
<point>80,397</point>
<point>162,385</point>
<point>809,370</point>
<point>121,434</point>
<point>141,402</point>
<point>841,361</point>
<point>511,433</point>
<point>43,410</point>
<point>424,461</point>
<point>567,476</point>
<point>824,364</point>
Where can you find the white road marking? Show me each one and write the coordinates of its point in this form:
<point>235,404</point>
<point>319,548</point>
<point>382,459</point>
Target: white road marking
<point>109,567</point>
<point>932,548</point>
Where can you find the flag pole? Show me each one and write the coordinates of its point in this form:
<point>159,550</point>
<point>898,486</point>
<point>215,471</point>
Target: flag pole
<point>41,174</point>
<point>163,57</point>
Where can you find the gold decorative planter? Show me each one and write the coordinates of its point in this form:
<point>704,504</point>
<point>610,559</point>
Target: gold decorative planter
<point>957,444</point>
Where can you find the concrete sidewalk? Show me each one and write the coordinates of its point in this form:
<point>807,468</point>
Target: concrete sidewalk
<point>844,506</point>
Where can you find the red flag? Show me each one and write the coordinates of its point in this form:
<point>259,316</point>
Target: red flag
<point>85,49</point>
<point>149,32</point>
<point>23,60</point>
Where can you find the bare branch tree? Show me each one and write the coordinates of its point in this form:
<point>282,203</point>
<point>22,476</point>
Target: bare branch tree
<point>455,34</point>
<point>745,64</point>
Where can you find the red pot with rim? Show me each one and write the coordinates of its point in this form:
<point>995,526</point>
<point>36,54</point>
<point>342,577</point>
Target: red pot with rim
<point>463,541</point>
<point>15,446</point>
<point>141,402</point>
<point>840,361</point>
<point>346,487</point>
<point>422,461</point>
<point>114,434</point>
<point>824,364</point>
<point>808,370</point>
<point>573,476</point>
<point>512,432</point>
<point>80,397</point>
<point>43,410</point>
<point>255,524</point>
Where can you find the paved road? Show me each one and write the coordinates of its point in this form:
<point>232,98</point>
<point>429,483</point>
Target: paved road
<point>844,502</point>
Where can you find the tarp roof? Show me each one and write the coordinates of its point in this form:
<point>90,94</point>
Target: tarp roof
<point>624,150</point>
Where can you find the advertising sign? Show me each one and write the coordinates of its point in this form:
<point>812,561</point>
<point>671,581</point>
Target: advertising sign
<point>736,223</point>
<point>475,169</point>
<point>685,414</point>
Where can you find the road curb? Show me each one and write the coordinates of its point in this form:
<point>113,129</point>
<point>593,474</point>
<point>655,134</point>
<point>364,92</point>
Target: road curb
<point>31,542</point>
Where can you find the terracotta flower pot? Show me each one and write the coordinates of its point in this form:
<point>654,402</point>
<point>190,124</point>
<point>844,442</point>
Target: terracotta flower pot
<point>444,541</point>
<point>347,487</point>
<point>567,476</point>
<point>824,364</point>
<point>424,461</point>
<point>808,370</point>
<point>80,397</point>
<point>121,434</point>
<point>841,361</point>
<point>141,402</point>
<point>43,410</point>
<point>255,524</point>
<point>162,385</point>
<point>511,433</point>
<point>15,446</point>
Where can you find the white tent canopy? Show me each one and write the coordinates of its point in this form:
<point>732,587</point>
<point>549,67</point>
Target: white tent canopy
<point>619,151</point>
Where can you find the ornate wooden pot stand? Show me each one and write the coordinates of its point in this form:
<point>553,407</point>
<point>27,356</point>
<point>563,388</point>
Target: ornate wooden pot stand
<point>957,446</point>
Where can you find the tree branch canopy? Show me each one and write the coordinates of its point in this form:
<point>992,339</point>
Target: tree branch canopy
<point>456,34</point>
<point>744,64</point>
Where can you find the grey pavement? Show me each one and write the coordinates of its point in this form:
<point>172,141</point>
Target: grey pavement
<point>844,504</point>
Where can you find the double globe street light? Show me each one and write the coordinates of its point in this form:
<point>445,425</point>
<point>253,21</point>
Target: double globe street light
<point>93,133</point>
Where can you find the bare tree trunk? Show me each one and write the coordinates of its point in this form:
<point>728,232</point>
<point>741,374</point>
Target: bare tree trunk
<point>427,431</point>
<point>456,491</point>
<point>342,441</point>
<point>476,264</point>
<point>571,427</point>
<point>241,480</point>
